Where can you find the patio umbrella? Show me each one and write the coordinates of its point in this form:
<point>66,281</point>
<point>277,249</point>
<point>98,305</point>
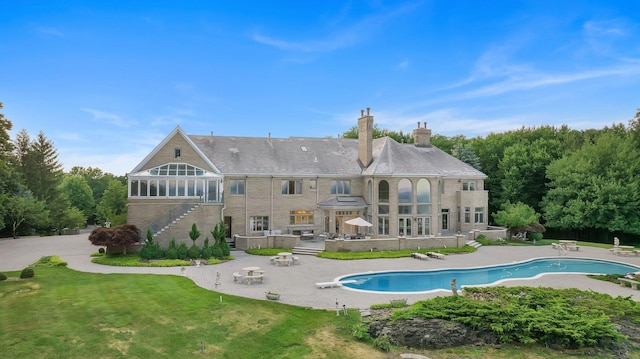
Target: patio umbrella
<point>358,222</point>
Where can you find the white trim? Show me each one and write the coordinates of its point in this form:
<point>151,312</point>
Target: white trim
<point>177,130</point>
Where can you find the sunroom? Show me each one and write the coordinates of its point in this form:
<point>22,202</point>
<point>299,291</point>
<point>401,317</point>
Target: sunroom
<point>178,181</point>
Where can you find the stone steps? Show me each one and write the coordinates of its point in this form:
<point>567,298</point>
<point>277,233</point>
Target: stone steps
<point>306,251</point>
<point>473,244</point>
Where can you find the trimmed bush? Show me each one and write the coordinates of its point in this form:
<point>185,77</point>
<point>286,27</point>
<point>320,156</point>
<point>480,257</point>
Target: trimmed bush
<point>147,252</point>
<point>206,253</point>
<point>216,251</point>
<point>158,252</point>
<point>27,273</point>
<point>183,251</point>
<point>172,253</point>
<point>101,250</point>
<point>3,276</point>
<point>194,252</point>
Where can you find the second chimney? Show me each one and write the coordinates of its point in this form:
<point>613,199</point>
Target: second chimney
<point>422,136</point>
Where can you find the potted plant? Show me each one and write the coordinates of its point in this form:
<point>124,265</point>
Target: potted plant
<point>272,296</point>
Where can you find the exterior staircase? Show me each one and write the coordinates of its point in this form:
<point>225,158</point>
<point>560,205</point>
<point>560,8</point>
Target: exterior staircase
<point>311,251</point>
<point>473,243</point>
<point>175,221</point>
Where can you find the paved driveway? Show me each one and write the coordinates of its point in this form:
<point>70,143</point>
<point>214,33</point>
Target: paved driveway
<point>297,283</point>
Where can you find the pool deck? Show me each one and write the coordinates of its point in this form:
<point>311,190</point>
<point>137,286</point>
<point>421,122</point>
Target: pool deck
<point>296,283</point>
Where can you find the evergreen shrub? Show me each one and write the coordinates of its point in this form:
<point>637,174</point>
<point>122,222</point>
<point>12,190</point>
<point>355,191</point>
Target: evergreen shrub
<point>183,251</point>
<point>3,276</point>
<point>27,273</point>
<point>194,252</point>
<point>206,253</point>
<point>172,253</point>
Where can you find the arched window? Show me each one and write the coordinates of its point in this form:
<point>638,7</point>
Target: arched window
<point>383,207</point>
<point>405,197</point>
<point>383,192</point>
<point>405,191</point>
<point>423,196</point>
<point>370,191</point>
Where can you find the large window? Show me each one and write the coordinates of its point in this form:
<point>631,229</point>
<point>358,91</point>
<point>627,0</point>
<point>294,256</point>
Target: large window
<point>258,223</point>
<point>383,207</point>
<point>292,187</point>
<point>383,192</point>
<point>423,196</point>
<point>479,215</point>
<point>175,180</point>
<point>405,197</point>
<point>237,187</point>
<point>340,187</point>
<point>301,217</point>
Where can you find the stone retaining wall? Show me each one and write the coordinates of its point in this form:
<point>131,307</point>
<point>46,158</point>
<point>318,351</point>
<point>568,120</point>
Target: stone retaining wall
<point>277,241</point>
<point>389,244</point>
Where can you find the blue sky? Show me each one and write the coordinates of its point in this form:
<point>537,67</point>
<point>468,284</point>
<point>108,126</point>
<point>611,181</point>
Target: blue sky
<point>106,81</point>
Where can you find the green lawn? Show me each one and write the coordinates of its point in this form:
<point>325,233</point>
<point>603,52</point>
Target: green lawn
<point>62,313</point>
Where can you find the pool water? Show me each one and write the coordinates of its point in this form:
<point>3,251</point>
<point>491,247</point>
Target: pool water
<point>422,281</point>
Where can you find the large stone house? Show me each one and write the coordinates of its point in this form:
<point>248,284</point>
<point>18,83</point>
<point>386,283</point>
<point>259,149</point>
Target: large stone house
<point>305,185</point>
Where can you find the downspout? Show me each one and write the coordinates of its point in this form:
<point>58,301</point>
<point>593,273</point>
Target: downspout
<point>224,203</point>
<point>246,210</point>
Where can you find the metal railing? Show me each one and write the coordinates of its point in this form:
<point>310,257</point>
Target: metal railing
<point>172,214</point>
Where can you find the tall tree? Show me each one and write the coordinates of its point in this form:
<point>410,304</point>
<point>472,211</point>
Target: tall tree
<point>6,147</point>
<point>79,193</point>
<point>524,167</point>
<point>378,133</point>
<point>596,187</point>
<point>113,205</point>
<point>464,153</point>
<point>98,182</point>
<point>39,165</point>
<point>24,212</point>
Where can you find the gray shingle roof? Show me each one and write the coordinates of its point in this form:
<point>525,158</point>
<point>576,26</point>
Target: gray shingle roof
<point>326,156</point>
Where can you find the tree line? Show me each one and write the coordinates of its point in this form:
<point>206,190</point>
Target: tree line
<point>38,198</point>
<point>581,184</point>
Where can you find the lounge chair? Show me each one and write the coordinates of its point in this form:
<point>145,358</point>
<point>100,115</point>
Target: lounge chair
<point>424,257</point>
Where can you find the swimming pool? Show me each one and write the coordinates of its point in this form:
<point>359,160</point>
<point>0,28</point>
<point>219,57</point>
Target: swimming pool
<point>440,279</point>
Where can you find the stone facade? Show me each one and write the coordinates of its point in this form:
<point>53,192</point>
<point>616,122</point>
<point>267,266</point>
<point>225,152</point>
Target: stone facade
<point>304,185</point>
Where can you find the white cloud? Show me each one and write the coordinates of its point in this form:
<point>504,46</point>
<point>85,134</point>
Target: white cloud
<point>49,31</point>
<point>108,118</point>
<point>403,65</point>
<point>340,38</point>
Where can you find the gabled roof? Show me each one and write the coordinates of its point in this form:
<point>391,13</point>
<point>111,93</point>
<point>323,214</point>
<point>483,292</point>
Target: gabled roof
<point>176,131</point>
<point>303,156</point>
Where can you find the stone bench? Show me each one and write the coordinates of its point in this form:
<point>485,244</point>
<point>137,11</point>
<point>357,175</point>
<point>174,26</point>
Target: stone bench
<point>254,278</point>
<point>623,281</point>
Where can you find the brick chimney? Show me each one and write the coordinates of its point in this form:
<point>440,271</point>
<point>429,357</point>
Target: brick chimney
<point>422,136</point>
<point>365,138</point>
